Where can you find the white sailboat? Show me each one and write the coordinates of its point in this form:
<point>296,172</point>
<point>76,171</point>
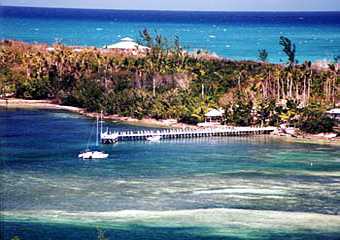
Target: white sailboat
<point>89,154</point>
<point>93,155</point>
<point>155,138</point>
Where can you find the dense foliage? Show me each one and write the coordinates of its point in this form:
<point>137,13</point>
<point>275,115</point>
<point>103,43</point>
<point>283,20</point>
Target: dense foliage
<point>313,120</point>
<point>166,82</point>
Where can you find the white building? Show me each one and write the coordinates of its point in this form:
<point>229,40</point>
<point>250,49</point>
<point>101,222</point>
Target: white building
<point>214,115</point>
<point>213,118</point>
<point>127,44</point>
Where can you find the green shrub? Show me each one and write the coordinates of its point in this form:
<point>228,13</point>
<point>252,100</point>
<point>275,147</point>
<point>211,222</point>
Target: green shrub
<point>319,125</point>
<point>314,120</point>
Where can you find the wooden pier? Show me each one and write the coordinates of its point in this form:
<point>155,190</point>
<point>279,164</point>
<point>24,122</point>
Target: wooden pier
<point>112,137</point>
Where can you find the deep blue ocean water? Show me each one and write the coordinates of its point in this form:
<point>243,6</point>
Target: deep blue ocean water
<point>235,35</point>
<point>209,188</point>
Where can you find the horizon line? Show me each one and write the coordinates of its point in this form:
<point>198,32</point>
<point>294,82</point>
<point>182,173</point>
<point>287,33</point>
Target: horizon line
<point>170,10</point>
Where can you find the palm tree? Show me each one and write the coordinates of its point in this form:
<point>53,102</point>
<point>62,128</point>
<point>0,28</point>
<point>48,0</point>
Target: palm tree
<point>263,55</point>
<point>332,82</point>
<point>289,49</point>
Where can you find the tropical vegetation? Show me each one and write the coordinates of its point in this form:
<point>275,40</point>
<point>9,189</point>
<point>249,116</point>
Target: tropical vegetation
<point>168,82</point>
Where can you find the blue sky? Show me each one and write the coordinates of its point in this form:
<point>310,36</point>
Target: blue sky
<point>200,5</point>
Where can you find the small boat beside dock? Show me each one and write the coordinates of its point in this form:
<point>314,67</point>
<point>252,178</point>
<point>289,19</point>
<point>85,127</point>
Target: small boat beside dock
<point>109,137</point>
<point>95,154</point>
<point>155,138</point>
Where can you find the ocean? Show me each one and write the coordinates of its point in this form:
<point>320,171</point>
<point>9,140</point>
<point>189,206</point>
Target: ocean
<point>233,35</point>
<point>208,188</point>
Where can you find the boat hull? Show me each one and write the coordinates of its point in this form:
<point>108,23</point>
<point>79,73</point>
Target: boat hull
<point>93,155</point>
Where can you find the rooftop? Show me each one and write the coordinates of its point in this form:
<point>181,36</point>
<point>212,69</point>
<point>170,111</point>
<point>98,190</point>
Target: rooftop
<point>126,44</point>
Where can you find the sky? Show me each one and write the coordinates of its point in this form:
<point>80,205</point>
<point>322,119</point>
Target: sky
<point>198,5</point>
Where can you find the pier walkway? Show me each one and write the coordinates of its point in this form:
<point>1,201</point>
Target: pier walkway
<point>112,137</point>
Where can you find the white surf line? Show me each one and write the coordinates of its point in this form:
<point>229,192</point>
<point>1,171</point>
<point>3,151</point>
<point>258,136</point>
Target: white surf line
<point>212,218</point>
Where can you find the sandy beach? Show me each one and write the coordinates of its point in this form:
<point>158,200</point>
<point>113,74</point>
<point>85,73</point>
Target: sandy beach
<point>48,104</point>
<point>149,122</point>
<point>309,139</point>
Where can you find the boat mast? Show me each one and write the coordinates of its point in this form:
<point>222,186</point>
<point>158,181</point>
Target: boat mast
<point>101,122</point>
<point>97,131</point>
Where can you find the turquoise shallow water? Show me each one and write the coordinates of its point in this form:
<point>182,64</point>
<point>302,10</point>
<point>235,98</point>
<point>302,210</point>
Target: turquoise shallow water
<point>235,35</point>
<point>218,188</point>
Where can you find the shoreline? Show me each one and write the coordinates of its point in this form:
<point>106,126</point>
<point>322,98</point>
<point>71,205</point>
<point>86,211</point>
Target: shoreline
<point>149,122</point>
<point>309,139</point>
<point>48,104</point>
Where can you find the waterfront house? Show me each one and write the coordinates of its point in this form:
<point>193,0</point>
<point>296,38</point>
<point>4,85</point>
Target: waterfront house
<point>213,117</point>
<point>334,114</point>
